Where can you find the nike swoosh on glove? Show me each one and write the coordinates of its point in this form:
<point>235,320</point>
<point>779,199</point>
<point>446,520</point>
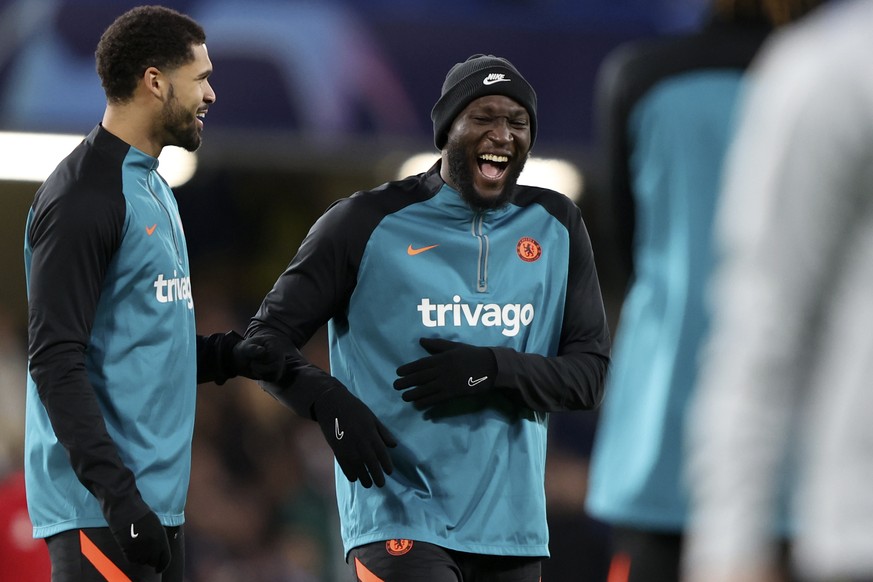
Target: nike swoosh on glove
<point>260,358</point>
<point>359,440</point>
<point>144,541</point>
<point>452,370</point>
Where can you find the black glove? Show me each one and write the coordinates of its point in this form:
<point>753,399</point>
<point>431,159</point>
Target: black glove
<point>144,541</point>
<point>261,357</point>
<point>359,441</point>
<point>453,369</point>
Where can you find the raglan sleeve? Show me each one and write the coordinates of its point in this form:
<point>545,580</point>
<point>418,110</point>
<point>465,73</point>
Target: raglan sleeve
<point>72,240</point>
<point>314,287</point>
<point>572,379</point>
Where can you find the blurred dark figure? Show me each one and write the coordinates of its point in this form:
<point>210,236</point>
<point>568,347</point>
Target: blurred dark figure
<point>665,110</point>
<point>785,383</point>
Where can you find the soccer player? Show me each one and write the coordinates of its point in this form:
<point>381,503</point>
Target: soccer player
<point>114,358</point>
<point>462,308</point>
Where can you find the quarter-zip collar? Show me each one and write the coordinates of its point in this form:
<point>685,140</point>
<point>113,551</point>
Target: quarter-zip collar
<point>108,143</point>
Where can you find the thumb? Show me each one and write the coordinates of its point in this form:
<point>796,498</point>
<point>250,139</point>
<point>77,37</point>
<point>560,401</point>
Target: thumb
<point>437,345</point>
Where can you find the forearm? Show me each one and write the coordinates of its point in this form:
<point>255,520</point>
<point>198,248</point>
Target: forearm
<point>572,381</point>
<point>301,385</point>
<point>78,423</point>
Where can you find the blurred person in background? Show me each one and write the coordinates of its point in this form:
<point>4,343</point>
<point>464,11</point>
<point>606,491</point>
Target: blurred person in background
<point>461,309</point>
<point>665,109</point>
<point>22,558</point>
<point>113,356</point>
<point>785,387</point>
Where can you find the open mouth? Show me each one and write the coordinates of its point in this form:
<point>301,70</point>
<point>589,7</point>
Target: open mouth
<point>492,166</point>
<point>201,115</point>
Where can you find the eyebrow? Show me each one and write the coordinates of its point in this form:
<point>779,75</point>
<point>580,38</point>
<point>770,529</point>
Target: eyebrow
<point>490,110</point>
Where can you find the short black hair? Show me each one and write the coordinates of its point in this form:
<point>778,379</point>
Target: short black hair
<point>143,37</point>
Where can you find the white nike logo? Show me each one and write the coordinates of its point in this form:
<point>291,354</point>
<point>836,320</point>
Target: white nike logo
<point>494,78</point>
<point>339,433</point>
<point>133,533</point>
<point>471,382</point>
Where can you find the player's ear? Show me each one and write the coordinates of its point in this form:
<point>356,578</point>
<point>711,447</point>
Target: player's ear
<point>155,82</point>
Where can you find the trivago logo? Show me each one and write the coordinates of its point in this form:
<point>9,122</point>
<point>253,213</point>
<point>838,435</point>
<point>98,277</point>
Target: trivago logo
<point>510,316</point>
<point>174,289</point>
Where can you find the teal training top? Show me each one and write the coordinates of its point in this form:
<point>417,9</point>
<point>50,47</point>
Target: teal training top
<point>112,346</point>
<point>410,260</point>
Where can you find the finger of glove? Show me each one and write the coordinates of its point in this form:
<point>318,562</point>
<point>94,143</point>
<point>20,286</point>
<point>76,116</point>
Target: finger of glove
<point>386,465</point>
<point>374,467</point>
<point>420,392</point>
<point>435,397</point>
<point>418,365</point>
<point>352,467</point>
<point>437,345</point>
<point>362,475</point>
<point>387,438</point>
<point>374,453</point>
<point>411,378</point>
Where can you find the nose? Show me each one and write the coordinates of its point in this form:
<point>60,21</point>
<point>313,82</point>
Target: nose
<point>209,94</point>
<point>500,131</point>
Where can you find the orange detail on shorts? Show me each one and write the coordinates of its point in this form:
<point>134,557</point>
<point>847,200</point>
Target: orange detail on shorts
<point>398,547</point>
<point>363,574</point>
<point>619,568</point>
<point>104,565</point>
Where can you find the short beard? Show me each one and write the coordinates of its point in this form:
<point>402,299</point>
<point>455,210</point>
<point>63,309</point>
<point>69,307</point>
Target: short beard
<point>177,124</point>
<point>462,176</point>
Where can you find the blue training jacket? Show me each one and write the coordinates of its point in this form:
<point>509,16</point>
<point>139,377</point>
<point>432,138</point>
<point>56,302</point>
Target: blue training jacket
<point>113,353</point>
<point>408,260</point>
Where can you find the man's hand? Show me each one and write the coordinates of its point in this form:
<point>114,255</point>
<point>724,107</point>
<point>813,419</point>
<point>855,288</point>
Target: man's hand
<point>261,358</point>
<point>359,440</point>
<point>453,369</point>
<point>144,541</point>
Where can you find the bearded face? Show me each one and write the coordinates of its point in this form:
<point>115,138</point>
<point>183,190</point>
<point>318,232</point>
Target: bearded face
<point>180,123</point>
<point>187,99</point>
<point>464,165</point>
<point>486,149</point>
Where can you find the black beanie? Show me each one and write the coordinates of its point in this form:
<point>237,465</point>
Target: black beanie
<point>476,77</point>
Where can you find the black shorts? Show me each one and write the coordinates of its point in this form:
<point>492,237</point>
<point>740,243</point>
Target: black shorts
<point>412,561</point>
<point>93,555</point>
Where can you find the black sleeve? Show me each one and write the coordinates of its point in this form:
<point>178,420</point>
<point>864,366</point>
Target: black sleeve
<point>314,287</point>
<point>215,357</point>
<point>572,380</point>
<point>614,97</point>
<point>73,238</point>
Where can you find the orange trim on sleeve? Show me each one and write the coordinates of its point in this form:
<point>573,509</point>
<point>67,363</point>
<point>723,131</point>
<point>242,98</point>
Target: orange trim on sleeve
<point>104,565</point>
<point>363,574</point>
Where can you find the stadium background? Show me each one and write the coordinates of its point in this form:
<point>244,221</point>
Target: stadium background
<point>314,101</point>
